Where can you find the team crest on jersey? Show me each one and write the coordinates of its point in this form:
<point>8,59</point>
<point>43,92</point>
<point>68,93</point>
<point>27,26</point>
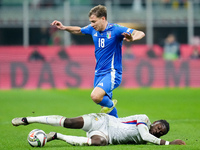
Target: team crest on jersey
<point>108,34</point>
<point>110,25</point>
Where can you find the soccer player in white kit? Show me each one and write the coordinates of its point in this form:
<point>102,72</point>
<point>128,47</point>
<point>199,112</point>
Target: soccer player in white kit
<point>107,38</point>
<point>103,129</point>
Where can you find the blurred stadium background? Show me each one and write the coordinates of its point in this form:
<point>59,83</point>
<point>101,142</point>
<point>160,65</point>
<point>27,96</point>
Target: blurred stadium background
<point>34,54</point>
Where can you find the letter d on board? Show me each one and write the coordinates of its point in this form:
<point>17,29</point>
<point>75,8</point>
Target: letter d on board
<point>14,76</point>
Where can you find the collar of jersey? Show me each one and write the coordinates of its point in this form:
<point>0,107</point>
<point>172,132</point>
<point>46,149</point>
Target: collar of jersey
<point>109,25</point>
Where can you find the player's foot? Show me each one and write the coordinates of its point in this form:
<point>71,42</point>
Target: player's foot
<point>19,121</point>
<point>51,136</point>
<point>108,110</point>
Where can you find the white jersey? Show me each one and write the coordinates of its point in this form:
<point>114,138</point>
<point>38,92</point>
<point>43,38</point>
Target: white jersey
<point>119,130</point>
<point>125,131</point>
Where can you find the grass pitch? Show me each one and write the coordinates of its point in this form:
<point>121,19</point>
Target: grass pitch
<point>181,107</point>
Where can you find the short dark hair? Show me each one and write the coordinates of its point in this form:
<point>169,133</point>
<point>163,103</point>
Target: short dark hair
<point>166,124</point>
<point>99,11</point>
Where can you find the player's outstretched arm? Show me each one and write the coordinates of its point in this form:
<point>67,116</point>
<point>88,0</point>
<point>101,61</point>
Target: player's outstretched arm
<point>71,29</point>
<point>175,142</point>
<point>135,35</point>
<point>146,136</point>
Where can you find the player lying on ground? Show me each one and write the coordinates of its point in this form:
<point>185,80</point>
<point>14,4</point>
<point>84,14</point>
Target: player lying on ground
<point>103,129</point>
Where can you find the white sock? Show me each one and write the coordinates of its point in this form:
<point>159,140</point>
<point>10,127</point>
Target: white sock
<point>74,140</point>
<point>53,120</point>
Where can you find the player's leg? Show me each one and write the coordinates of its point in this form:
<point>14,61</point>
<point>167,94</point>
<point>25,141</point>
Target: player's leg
<point>99,92</point>
<point>83,122</point>
<point>99,96</point>
<point>115,82</point>
<point>102,93</point>
<point>91,122</point>
<point>54,120</point>
<point>113,112</point>
<point>86,123</point>
<point>95,140</point>
<point>73,140</point>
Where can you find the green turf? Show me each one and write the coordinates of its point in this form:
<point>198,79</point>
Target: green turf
<point>181,107</point>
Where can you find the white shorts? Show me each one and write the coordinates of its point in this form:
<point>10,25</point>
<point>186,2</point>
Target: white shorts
<point>96,124</point>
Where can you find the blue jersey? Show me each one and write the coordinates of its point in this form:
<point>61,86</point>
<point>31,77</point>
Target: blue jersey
<point>108,47</point>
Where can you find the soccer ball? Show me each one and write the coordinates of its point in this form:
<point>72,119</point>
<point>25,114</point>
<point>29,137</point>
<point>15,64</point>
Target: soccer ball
<point>37,138</point>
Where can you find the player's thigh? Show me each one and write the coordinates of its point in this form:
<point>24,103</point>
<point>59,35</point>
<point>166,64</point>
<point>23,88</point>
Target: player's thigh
<point>109,82</point>
<point>93,122</point>
<point>96,124</point>
<point>103,82</point>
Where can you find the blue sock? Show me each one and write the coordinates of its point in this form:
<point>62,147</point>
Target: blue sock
<point>114,113</point>
<point>106,102</point>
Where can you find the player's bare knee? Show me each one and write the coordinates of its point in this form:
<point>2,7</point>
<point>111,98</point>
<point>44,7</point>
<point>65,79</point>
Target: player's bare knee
<point>95,98</point>
<point>99,141</point>
<point>103,141</point>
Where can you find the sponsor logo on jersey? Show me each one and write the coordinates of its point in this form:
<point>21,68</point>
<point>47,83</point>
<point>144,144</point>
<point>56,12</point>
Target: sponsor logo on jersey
<point>108,34</point>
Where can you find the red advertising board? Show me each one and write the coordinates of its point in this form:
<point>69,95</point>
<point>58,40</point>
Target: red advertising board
<point>17,72</point>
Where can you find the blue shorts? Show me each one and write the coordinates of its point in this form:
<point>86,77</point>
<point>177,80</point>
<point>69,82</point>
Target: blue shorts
<point>108,82</point>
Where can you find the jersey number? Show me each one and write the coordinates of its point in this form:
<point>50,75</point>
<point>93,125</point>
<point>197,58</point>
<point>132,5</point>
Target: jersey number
<point>101,42</point>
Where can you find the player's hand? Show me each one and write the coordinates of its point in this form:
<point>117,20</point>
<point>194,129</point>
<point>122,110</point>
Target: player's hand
<point>177,142</point>
<point>58,24</point>
<point>127,37</point>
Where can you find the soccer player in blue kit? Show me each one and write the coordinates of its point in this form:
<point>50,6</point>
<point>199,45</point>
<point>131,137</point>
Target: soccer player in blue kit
<point>107,38</point>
